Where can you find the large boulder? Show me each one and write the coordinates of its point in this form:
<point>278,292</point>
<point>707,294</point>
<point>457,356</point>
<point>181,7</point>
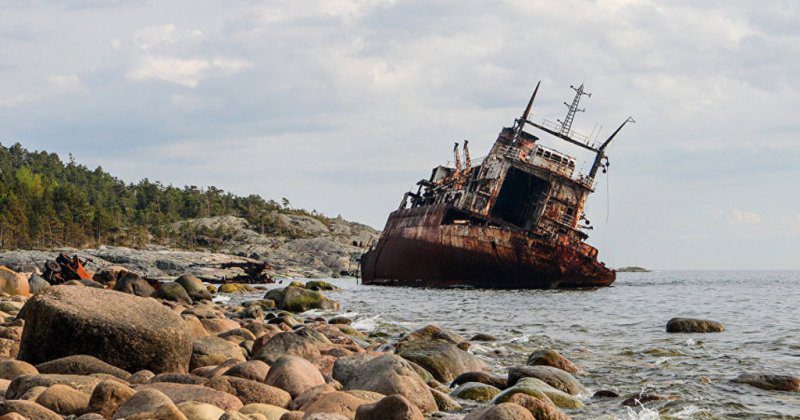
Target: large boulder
<point>294,375</point>
<point>134,284</point>
<point>126,331</point>
<point>194,287</point>
<point>287,344</point>
<point>12,282</point>
<point>691,325</point>
<point>770,382</point>
<point>296,299</point>
<point>443,359</point>
<point>212,350</point>
<point>391,374</point>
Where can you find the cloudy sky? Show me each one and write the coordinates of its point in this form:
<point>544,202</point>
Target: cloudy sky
<point>342,105</point>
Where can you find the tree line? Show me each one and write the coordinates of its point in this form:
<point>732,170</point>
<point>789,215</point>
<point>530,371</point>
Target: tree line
<point>45,203</point>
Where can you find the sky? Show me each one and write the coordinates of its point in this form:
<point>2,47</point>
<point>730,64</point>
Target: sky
<point>341,106</point>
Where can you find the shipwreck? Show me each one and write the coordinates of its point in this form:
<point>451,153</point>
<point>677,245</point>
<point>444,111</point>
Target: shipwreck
<point>514,219</point>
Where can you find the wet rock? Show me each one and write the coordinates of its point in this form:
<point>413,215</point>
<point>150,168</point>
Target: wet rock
<point>250,392</point>
<point>148,404</point>
<point>433,332</point>
<point>133,284</point>
<point>475,391</point>
<point>337,402</point>
<point>690,325</point>
<point>318,285</point>
<point>255,370</point>
<point>390,374</point>
<point>37,284</point>
<point>13,283</point>
<point>787,383</point>
<point>287,343</point>
<point>27,409</point>
<point>482,377</point>
<point>549,357</point>
<point>541,409</point>
<point>605,393</point>
<point>81,365</point>
<point>64,400</point>
<point>539,389</point>
<point>107,396</point>
<point>200,411</point>
<point>179,393</point>
<point>67,321</point>
<point>212,350</point>
<point>444,402</point>
<point>443,359</point>
<point>393,407</point>
<point>294,375</point>
<point>638,399</point>
<point>340,320</point>
<point>503,411</point>
<point>194,287</point>
<point>235,288</point>
<point>483,337</point>
<point>21,384</point>
<point>296,299</point>
<point>10,369</point>
<point>554,377</point>
<point>173,291</point>
<point>270,412</point>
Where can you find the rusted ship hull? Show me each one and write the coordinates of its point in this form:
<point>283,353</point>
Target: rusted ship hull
<point>418,248</point>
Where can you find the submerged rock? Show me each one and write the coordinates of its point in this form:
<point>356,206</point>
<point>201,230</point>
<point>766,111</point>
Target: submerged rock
<point>691,325</point>
<point>66,321</point>
<point>770,382</point>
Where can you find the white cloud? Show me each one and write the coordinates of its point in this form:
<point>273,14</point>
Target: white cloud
<point>151,37</point>
<point>64,83</point>
<point>186,72</point>
<point>738,217</point>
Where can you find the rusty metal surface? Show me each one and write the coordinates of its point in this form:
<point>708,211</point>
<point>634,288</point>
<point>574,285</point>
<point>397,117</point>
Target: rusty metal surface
<point>513,220</point>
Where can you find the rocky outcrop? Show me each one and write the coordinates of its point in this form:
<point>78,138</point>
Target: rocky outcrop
<point>67,320</point>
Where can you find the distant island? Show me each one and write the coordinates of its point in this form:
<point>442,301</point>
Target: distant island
<point>632,269</point>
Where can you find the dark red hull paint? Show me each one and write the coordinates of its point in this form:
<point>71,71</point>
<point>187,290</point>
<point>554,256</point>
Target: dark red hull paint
<point>416,250</point>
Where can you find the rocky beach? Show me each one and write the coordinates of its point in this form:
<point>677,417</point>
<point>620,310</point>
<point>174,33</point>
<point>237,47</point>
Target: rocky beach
<point>116,347</point>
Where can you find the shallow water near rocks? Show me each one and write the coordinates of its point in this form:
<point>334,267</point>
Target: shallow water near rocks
<point>617,335</point>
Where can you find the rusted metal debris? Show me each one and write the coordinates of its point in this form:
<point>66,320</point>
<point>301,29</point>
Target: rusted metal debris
<point>65,268</point>
<point>254,272</point>
<point>510,220</point>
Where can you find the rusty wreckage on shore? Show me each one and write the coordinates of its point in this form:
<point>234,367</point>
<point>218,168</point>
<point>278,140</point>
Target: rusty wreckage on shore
<point>513,220</point>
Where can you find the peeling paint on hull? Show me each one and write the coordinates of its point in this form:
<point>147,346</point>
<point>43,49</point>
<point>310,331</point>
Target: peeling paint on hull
<point>413,253</point>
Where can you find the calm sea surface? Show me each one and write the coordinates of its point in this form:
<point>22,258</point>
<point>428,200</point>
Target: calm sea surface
<point>617,334</point>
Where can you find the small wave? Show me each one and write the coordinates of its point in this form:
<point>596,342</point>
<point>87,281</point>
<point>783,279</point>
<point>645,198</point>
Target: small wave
<point>368,323</point>
<point>643,414</point>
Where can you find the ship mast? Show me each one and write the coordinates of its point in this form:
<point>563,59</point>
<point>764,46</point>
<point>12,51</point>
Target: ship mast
<point>566,125</point>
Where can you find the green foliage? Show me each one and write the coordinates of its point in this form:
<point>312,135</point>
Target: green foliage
<point>45,202</point>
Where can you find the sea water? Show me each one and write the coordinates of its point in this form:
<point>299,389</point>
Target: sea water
<point>617,335</point>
